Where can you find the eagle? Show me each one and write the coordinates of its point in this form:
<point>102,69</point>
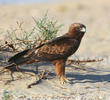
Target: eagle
<point>55,51</point>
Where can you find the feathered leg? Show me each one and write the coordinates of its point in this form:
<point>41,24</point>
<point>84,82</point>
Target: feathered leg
<point>60,71</point>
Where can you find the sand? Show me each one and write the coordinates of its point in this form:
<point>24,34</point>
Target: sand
<point>92,84</point>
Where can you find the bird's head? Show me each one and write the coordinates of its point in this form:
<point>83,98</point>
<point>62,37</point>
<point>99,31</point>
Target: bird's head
<point>77,30</point>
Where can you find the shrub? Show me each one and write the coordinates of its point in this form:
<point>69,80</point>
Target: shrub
<point>45,29</point>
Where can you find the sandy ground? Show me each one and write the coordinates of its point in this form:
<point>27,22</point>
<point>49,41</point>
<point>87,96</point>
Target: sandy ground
<point>93,84</point>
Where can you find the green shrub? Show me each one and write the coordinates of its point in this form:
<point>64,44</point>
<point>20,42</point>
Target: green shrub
<point>45,29</point>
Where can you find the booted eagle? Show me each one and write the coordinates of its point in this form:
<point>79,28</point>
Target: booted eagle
<point>55,51</point>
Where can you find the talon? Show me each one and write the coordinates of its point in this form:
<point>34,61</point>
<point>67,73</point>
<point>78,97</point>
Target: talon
<point>64,80</point>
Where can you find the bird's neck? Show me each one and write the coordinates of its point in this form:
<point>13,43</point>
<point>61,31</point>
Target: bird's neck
<point>73,35</point>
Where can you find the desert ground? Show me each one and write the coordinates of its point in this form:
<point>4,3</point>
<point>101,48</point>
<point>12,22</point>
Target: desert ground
<point>90,84</point>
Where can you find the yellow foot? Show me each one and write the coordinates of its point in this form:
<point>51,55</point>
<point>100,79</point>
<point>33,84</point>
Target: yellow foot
<point>64,80</point>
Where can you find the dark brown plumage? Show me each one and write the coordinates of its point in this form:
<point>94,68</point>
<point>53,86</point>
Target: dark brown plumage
<point>56,51</point>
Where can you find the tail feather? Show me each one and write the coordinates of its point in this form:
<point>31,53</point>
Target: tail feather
<point>17,56</point>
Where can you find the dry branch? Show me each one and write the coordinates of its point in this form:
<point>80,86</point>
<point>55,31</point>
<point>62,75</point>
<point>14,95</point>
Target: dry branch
<point>43,75</point>
<point>83,61</point>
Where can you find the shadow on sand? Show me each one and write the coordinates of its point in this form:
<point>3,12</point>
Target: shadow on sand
<point>78,77</point>
<point>89,78</point>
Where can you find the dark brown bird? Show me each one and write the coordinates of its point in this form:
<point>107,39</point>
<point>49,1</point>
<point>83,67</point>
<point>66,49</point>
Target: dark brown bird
<point>56,51</point>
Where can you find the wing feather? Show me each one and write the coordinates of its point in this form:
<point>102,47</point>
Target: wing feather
<point>58,48</point>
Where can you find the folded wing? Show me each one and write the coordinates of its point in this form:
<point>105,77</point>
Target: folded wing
<point>59,48</point>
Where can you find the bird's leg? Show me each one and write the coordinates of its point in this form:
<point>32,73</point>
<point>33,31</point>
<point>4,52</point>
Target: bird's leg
<point>60,71</point>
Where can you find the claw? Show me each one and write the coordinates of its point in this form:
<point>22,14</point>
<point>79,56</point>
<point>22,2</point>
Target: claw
<point>64,80</point>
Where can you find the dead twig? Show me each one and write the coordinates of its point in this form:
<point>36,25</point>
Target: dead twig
<point>79,67</point>
<point>10,45</point>
<point>83,61</point>
<point>43,75</point>
<point>77,63</point>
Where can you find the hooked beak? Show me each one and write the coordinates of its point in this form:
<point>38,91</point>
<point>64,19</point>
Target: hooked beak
<point>83,29</point>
